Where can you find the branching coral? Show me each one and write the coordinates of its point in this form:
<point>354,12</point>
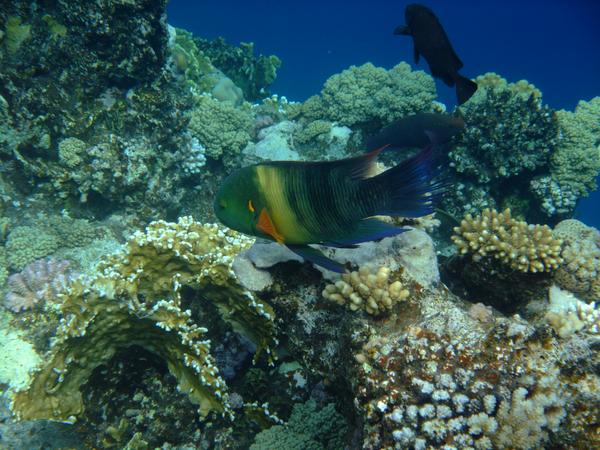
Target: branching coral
<point>369,289</point>
<point>222,129</point>
<point>580,272</point>
<point>135,299</point>
<point>575,164</point>
<point>371,96</point>
<point>39,281</point>
<point>522,247</point>
<point>509,131</point>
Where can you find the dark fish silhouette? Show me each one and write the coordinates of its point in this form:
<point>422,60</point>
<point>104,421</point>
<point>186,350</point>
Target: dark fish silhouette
<point>418,130</point>
<point>431,41</point>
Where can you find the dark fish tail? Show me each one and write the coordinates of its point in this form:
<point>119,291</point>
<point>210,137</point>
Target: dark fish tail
<point>411,189</point>
<point>465,88</point>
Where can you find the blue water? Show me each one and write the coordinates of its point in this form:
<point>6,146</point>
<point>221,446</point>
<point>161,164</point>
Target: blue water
<point>554,44</point>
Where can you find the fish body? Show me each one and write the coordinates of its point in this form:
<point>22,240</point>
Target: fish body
<point>431,41</point>
<point>329,203</point>
<point>417,131</point>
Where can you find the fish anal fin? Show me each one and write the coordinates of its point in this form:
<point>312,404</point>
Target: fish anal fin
<point>403,30</point>
<point>365,231</point>
<point>416,54</point>
<point>266,225</point>
<point>316,257</point>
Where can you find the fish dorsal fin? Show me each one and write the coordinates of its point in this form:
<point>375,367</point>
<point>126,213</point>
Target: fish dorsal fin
<point>363,166</point>
<point>266,225</point>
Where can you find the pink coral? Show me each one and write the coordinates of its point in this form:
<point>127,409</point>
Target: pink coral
<point>40,281</point>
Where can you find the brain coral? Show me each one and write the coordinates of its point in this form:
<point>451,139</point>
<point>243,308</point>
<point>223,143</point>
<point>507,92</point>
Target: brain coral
<point>369,95</point>
<point>522,247</point>
<point>509,131</point>
<point>135,299</point>
<point>580,272</point>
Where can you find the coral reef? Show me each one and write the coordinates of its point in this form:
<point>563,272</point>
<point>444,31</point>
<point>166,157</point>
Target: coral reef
<point>252,74</point>
<point>425,390</point>
<point>135,299</point>
<point>509,131</point>
<point>307,429</point>
<point>522,247</point>
<point>39,281</point>
<point>580,272</point>
<point>575,164</point>
<point>222,129</point>
<point>568,315</point>
<point>369,96</point>
<point>369,289</point>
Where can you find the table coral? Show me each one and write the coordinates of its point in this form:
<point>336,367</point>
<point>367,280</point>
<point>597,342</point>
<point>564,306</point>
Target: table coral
<point>135,299</point>
<point>368,288</point>
<point>522,247</point>
<point>371,96</point>
<point>509,131</point>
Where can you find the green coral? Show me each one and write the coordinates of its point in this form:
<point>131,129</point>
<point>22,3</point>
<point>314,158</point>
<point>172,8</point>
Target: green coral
<point>371,96</point>
<point>135,299</point>
<point>575,164</point>
<point>16,33</point>
<point>253,74</point>
<point>307,429</point>
<point>222,129</point>
<point>509,131</point>
<point>71,152</point>
<point>189,60</point>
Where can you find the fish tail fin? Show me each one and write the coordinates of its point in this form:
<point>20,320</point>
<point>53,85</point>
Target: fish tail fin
<point>465,88</point>
<point>413,188</point>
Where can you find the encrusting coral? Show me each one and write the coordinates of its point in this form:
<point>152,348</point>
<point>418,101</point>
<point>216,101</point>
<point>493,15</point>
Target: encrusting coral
<point>567,314</point>
<point>135,299</point>
<point>368,288</point>
<point>520,246</point>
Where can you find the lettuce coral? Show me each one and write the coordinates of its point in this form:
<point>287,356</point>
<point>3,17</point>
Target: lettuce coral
<point>135,299</point>
<point>370,96</point>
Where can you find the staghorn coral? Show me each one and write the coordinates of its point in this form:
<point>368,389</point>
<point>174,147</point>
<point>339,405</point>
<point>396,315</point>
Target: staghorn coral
<point>509,131</point>
<point>135,299</point>
<point>522,247</point>
<point>575,164</point>
<point>425,390</point>
<point>40,281</point>
<point>580,272</point>
<point>368,288</point>
<point>369,96</point>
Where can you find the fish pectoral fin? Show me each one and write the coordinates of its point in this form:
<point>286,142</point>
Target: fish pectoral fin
<point>403,30</point>
<point>316,257</point>
<point>369,230</point>
<point>266,225</point>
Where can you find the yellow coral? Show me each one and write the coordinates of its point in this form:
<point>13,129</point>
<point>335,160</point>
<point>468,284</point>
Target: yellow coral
<point>523,247</point>
<point>368,288</point>
<point>135,300</point>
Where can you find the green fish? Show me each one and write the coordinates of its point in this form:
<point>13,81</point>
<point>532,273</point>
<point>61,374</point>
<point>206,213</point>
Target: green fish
<point>330,203</point>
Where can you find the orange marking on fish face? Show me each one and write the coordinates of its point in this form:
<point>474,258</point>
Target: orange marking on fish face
<point>266,225</point>
<point>250,206</point>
